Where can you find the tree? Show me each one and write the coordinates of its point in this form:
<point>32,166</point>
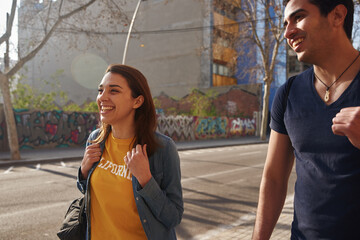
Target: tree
<point>264,21</point>
<point>57,12</point>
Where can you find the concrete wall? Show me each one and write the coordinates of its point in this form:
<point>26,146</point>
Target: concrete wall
<point>169,45</point>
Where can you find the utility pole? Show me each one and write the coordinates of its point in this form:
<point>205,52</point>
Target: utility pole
<point>130,29</point>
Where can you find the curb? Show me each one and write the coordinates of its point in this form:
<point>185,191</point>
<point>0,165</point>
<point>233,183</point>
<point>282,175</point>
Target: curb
<point>181,146</point>
<point>25,162</point>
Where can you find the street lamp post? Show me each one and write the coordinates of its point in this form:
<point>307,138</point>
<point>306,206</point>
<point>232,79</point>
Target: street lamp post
<point>130,28</point>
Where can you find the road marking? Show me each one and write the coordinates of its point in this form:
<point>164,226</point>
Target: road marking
<point>241,154</point>
<point>248,153</point>
<point>9,170</point>
<point>221,173</point>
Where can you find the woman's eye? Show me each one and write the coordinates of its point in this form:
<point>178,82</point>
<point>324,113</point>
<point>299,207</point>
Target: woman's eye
<point>114,91</point>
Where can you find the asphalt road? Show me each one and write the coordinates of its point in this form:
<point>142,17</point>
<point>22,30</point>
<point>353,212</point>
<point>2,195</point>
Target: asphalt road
<point>220,188</point>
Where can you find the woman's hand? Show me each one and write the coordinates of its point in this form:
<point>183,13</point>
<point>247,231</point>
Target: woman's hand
<point>92,154</point>
<point>138,163</point>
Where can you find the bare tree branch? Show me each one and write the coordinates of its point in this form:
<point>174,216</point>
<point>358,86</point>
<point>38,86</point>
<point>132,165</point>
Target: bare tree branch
<point>30,55</point>
<point>48,17</point>
<point>10,23</point>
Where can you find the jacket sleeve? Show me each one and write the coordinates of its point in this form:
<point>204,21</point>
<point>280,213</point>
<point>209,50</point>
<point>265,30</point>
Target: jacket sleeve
<point>165,199</point>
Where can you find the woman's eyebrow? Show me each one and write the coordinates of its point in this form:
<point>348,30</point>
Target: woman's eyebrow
<point>115,85</point>
<point>112,85</point>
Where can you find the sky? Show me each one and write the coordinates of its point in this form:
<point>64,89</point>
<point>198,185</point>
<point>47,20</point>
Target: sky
<point>6,8</point>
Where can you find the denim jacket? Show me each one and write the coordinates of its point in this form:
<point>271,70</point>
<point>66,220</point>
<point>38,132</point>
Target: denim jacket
<point>160,202</point>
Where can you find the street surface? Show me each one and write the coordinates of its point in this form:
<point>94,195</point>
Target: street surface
<point>220,189</point>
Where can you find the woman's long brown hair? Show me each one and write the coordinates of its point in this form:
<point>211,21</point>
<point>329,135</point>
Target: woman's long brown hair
<point>145,116</point>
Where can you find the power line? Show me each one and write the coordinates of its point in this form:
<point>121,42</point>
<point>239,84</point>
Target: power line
<point>159,31</point>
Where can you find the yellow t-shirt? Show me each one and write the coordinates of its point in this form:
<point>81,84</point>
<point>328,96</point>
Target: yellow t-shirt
<point>113,210</point>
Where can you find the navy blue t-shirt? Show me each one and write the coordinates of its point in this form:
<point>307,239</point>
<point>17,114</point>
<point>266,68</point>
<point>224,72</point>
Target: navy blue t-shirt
<point>327,189</point>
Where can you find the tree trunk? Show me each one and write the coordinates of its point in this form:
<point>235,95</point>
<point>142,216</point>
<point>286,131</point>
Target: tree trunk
<point>265,111</point>
<point>10,119</point>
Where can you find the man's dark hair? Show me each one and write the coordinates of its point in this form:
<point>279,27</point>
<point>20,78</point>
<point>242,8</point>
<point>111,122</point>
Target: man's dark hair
<point>326,6</point>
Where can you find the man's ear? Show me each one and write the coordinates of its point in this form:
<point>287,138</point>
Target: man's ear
<point>338,15</point>
<point>139,101</point>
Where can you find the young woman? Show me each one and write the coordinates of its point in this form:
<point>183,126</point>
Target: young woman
<point>130,174</point>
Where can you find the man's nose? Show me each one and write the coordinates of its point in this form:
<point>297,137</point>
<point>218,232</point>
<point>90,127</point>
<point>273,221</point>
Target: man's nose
<point>290,31</point>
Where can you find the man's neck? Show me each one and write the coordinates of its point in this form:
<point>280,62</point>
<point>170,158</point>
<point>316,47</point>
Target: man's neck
<point>332,65</point>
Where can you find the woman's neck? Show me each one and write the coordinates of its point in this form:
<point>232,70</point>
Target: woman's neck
<point>123,132</point>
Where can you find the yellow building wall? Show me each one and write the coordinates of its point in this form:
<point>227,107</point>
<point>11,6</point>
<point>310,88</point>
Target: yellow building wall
<point>219,80</point>
<point>224,54</point>
<point>226,24</point>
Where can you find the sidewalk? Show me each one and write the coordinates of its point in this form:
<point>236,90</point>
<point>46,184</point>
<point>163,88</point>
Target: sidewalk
<point>34,156</point>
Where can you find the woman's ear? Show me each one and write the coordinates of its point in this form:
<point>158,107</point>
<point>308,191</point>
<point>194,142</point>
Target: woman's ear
<point>138,101</point>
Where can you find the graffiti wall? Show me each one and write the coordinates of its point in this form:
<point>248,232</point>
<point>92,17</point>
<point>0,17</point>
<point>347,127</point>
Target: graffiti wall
<point>211,127</point>
<point>185,128</point>
<point>242,127</point>
<point>39,129</point>
<point>179,128</point>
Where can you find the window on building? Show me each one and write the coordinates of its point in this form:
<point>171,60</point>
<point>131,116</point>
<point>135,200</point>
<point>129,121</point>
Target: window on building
<point>222,70</point>
<point>225,8</point>
<point>294,64</point>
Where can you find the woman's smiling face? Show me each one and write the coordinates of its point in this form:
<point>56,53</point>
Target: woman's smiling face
<point>115,101</point>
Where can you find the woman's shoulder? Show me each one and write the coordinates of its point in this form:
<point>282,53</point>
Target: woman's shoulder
<point>163,139</point>
<point>94,134</point>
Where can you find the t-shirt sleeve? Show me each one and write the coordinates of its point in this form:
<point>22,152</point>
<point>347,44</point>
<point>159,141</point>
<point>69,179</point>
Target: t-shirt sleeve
<point>278,109</point>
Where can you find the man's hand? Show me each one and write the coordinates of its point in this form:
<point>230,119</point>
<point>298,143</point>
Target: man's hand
<point>347,123</point>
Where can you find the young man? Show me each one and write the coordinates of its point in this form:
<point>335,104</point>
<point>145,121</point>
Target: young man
<point>317,122</point>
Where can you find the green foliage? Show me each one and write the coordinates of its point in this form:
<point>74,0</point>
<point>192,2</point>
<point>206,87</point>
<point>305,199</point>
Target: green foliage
<point>202,103</point>
<point>26,97</point>
<point>172,111</point>
<point>91,107</point>
<point>157,103</point>
<point>72,107</point>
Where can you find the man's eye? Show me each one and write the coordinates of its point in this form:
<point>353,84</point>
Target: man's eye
<point>100,90</point>
<point>298,18</point>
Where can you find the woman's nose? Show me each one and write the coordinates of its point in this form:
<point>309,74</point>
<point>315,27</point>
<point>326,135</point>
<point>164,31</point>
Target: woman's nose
<point>102,96</point>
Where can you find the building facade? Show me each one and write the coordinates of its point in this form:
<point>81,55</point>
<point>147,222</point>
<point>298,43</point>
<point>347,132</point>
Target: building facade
<point>178,45</point>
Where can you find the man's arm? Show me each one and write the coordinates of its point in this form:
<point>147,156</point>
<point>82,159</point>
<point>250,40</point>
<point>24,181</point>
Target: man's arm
<point>273,187</point>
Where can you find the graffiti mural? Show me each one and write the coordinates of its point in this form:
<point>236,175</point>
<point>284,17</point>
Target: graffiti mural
<point>179,128</point>
<point>38,129</point>
<point>242,127</point>
<point>211,127</point>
